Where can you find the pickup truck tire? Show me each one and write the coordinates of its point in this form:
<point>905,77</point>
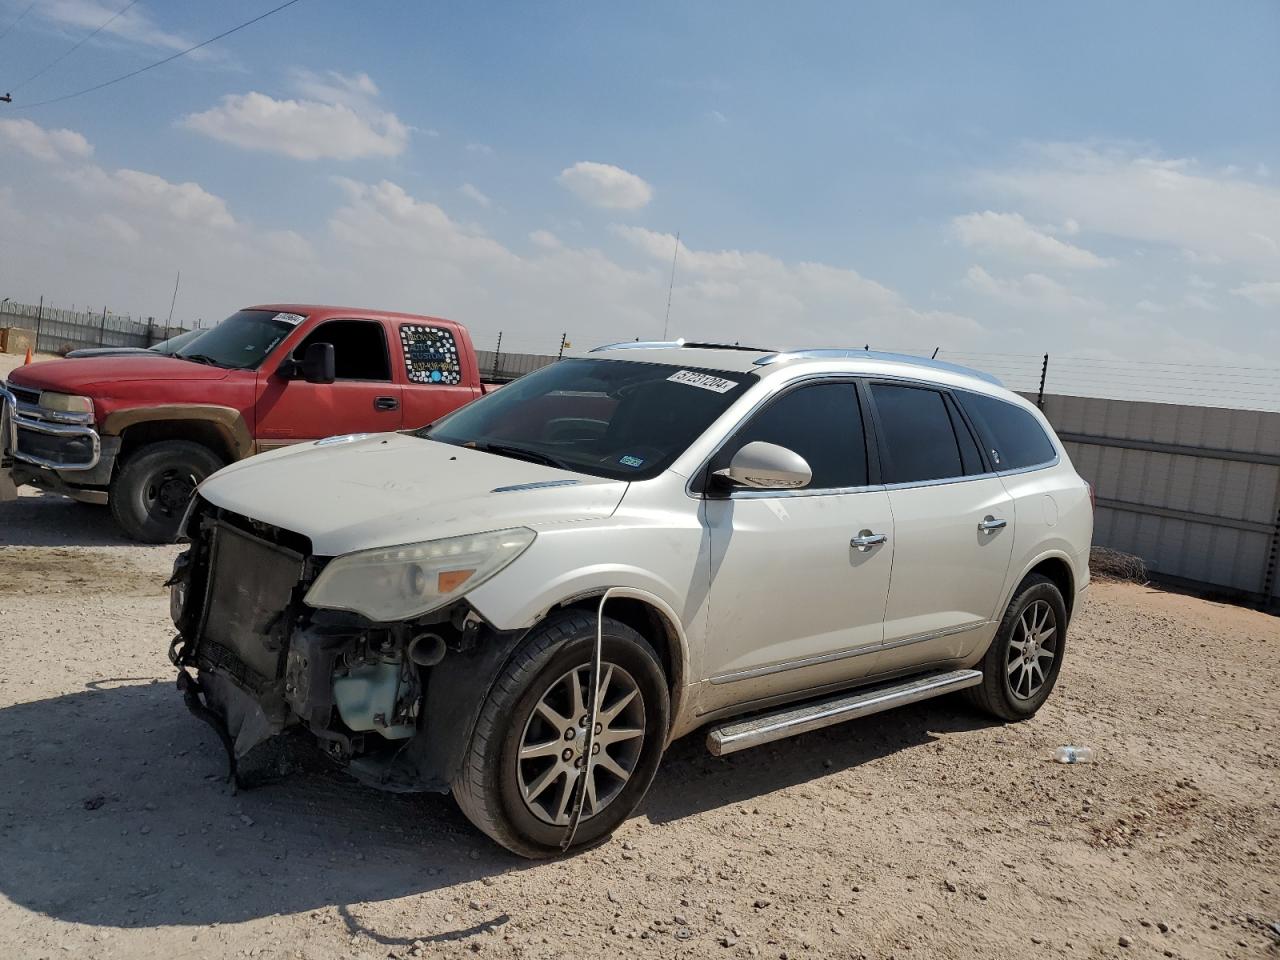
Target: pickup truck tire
<point>494,783</point>
<point>150,492</point>
<point>1022,663</point>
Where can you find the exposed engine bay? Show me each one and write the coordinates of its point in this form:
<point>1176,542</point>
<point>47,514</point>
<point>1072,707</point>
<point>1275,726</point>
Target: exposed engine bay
<point>394,703</point>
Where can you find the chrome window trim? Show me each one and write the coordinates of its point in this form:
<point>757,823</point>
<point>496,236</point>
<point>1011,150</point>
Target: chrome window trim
<point>845,654</point>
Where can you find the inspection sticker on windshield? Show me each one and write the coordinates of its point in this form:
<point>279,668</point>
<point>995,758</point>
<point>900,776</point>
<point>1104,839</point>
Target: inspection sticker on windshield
<point>704,381</point>
<point>291,318</point>
<point>630,461</point>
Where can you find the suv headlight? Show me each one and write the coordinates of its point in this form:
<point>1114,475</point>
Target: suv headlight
<point>396,583</point>
<point>65,402</point>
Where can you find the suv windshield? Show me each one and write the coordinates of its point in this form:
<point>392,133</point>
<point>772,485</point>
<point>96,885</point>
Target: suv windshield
<point>242,340</point>
<point>609,418</point>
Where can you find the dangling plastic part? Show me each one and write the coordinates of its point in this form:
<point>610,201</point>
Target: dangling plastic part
<point>588,742</point>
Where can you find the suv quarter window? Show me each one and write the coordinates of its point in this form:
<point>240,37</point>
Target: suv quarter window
<point>918,436</point>
<point>359,348</point>
<point>822,422</point>
<point>1013,437</point>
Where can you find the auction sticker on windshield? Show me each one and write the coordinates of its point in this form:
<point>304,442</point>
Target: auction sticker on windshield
<point>704,381</point>
<point>293,319</point>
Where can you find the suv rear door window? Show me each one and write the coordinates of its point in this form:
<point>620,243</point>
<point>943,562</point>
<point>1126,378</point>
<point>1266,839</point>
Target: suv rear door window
<point>823,424</point>
<point>918,442</point>
<point>1014,437</point>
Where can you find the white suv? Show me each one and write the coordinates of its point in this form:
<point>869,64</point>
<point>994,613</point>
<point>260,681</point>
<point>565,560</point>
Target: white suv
<point>756,543</point>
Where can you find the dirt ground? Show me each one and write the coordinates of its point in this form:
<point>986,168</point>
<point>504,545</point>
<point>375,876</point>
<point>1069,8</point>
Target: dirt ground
<point>926,832</point>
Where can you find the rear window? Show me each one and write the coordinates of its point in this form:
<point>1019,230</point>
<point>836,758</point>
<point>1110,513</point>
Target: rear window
<point>1013,436</point>
<point>918,440</point>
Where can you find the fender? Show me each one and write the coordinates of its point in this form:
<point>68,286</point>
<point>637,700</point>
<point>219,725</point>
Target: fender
<point>228,421</point>
<point>1052,553</point>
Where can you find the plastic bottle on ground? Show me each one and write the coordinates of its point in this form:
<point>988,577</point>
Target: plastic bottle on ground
<point>1073,754</point>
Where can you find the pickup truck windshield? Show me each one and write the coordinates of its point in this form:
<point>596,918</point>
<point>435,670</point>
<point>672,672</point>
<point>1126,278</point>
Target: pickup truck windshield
<point>243,340</point>
<point>608,418</point>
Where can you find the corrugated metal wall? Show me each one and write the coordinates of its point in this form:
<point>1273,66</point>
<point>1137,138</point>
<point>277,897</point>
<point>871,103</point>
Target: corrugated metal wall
<point>1194,491</point>
<point>60,329</point>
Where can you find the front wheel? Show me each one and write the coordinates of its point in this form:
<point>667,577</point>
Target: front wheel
<point>150,492</point>
<point>525,763</point>
<point>1022,663</point>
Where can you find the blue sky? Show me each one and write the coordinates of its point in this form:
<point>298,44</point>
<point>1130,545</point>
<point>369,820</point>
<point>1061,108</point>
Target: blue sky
<point>1094,178</point>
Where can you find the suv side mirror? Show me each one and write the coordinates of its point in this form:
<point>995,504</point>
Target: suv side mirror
<point>317,364</point>
<point>765,466</point>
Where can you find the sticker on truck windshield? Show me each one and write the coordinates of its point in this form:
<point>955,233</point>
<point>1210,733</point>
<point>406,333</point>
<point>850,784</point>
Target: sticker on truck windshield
<point>430,354</point>
<point>704,381</point>
<point>293,319</point>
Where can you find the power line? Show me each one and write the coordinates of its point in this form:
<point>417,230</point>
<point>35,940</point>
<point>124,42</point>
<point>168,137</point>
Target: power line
<point>159,63</point>
<point>9,29</point>
<point>82,41</point>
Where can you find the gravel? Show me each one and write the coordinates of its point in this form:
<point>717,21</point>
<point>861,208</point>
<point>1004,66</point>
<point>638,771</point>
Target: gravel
<point>933,833</point>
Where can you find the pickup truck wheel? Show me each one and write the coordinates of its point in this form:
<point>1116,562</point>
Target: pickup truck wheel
<point>150,492</point>
<point>1022,663</point>
<point>518,778</point>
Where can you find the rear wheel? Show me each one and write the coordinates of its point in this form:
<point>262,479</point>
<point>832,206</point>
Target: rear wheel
<point>150,492</point>
<point>525,763</point>
<point>1022,663</point>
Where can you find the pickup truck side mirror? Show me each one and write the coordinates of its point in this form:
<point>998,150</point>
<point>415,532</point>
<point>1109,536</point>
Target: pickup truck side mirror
<point>316,366</point>
<point>764,466</point>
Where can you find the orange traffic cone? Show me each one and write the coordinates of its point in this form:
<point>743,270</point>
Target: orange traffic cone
<point>28,360</point>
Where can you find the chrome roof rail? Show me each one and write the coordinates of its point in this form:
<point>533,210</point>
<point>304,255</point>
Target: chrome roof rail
<point>639,345</point>
<point>847,354</point>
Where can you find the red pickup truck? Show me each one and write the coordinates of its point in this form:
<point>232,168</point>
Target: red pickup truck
<point>140,433</point>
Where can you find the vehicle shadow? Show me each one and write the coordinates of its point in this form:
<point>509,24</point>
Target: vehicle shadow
<point>38,519</point>
<point>114,812</point>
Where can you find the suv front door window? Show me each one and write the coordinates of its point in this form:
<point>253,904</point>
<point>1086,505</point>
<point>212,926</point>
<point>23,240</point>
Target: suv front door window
<point>793,603</point>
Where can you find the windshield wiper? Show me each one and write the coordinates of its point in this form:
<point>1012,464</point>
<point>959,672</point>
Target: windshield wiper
<point>200,358</point>
<point>520,453</point>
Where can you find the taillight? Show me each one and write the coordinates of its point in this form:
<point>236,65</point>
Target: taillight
<point>1093,497</point>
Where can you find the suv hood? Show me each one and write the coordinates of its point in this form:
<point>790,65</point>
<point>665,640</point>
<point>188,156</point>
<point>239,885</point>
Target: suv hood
<point>393,488</point>
<point>82,374</point>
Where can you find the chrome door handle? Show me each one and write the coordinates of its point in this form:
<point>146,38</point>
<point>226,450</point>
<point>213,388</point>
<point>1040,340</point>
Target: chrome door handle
<point>865,540</point>
<point>991,524</point>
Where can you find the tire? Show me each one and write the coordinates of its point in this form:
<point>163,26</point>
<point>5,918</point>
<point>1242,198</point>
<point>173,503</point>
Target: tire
<point>492,785</point>
<point>150,492</point>
<point>1011,689</point>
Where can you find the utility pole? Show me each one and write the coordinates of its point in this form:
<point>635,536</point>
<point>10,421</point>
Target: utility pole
<point>175,298</point>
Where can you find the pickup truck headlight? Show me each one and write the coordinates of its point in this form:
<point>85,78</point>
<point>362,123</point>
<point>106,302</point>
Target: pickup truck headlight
<point>396,583</point>
<point>65,402</point>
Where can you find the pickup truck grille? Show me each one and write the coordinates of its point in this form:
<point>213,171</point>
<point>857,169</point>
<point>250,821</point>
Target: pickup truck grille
<point>24,394</point>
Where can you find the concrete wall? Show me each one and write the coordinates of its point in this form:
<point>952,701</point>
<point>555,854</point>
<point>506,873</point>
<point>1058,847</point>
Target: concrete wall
<point>62,328</point>
<point>1194,491</point>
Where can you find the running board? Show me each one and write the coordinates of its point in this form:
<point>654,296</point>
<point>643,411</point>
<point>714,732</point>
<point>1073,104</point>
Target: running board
<point>816,714</point>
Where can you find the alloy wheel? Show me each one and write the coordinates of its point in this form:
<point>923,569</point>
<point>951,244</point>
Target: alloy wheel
<point>551,759</point>
<point>1032,649</point>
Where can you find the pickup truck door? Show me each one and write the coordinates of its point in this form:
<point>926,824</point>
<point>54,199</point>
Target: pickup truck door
<point>794,604</point>
<point>438,368</point>
<point>953,526</point>
<point>365,397</point>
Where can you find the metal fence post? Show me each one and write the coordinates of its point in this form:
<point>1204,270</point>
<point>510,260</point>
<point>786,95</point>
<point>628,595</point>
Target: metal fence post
<point>39,321</point>
<point>102,330</point>
<point>497,356</point>
<point>1044,372</point>
<point>563,338</point>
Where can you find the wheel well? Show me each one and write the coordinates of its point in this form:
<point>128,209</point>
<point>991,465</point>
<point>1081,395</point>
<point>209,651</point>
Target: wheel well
<point>1059,571</point>
<point>645,620</point>
<point>194,431</point>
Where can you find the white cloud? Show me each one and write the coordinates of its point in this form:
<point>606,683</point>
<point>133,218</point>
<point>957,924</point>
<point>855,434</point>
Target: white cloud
<point>132,25</point>
<point>715,116</point>
<point>483,149</point>
<point>179,202</point>
<point>1136,194</point>
<point>604,185</point>
<point>474,194</point>
<point>337,119</point>
<point>1197,301</point>
<point>1265,294</point>
<point>1008,234</point>
<point>1033,291</point>
<point>1147,306</point>
<point>52,146</point>
<point>1200,283</point>
<point>545,239</point>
